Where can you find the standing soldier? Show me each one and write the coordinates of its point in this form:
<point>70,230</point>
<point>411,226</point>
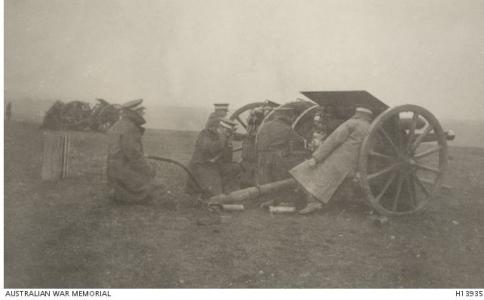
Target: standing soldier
<point>8,111</point>
<point>276,147</point>
<point>333,161</point>
<point>130,176</point>
<point>211,162</point>
<point>249,153</point>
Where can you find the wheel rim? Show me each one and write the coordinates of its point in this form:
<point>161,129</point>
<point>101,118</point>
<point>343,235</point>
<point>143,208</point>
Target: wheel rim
<point>241,114</point>
<point>401,164</point>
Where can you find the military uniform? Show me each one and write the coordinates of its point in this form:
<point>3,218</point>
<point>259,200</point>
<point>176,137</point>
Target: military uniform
<point>211,164</point>
<point>249,153</point>
<point>278,150</point>
<point>336,159</point>
<point>129,174</point>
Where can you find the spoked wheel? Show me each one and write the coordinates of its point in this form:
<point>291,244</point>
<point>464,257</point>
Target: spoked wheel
<point>403,159</point>
<point>241,114</point>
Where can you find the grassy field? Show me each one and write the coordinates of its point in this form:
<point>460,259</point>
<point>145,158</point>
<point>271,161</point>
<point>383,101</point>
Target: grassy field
<point>68,234</point>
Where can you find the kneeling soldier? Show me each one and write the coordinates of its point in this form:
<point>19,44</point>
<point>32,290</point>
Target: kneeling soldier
<point>130,176</point>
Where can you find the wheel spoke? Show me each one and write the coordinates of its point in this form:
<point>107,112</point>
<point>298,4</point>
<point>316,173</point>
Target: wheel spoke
<point>421,185</point>
<point>241,122</point>
<point>387,185</point>
<point>392,144</point>
<point>398,131</point>
<point>421,137</point>
<point>427,152</point>
<point>397,194</point>
<point>411,133</point>
<point>383,171</point>
<point>381,155</point>
<point>411,191</point>
<point>427,168</point>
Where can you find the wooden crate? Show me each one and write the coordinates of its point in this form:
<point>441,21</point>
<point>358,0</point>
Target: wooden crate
<point>55,157</point>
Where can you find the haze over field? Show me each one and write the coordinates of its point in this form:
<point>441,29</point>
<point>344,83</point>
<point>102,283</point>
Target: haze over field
<point>469,132</point>
<point>193,53</point>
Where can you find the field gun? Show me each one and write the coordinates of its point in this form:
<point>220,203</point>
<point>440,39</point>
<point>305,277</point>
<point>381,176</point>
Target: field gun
<point>401,162</point>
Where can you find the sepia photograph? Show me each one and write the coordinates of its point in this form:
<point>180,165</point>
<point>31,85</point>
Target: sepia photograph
<point>314,144</point>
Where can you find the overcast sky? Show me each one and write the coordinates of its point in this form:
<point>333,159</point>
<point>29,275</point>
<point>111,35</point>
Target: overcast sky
<point>429,53</point>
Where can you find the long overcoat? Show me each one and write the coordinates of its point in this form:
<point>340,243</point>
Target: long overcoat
<point>211,164</point>
<point>336,158</point>
<point>129,174</point>
<point>277,152</point>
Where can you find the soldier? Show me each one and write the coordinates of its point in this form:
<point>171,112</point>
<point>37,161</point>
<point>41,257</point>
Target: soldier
<point>276,147</point>
<point>221,109</point>
<point>334,160</point>
<point>130,176</point>
<point>249,153</point>
<point>320,131</point>
<point>211,162</point>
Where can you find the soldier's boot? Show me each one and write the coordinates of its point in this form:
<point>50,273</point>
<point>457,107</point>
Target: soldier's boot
<point>311,207</point>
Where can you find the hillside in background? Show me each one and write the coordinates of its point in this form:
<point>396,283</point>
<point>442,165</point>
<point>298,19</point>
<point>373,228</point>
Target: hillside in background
<point>468,132</point>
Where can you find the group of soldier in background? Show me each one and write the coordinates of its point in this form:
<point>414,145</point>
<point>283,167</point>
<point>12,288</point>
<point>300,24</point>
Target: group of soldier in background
<point>276,155</point>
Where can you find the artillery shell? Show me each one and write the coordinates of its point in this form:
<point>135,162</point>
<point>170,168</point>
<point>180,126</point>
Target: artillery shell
<point>233,207</point>
<point>281,209</point>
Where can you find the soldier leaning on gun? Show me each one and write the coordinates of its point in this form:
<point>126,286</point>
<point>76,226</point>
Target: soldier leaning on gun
<point>211,162</point>
<point>333,161</point>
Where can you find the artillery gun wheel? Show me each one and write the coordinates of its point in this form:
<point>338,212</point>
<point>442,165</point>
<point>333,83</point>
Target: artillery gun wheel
<point>401,167</point>
<point>241,114</point>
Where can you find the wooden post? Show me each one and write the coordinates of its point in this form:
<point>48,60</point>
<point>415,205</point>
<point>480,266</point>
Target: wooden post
<point>55,157</point>
<point>65,156</point>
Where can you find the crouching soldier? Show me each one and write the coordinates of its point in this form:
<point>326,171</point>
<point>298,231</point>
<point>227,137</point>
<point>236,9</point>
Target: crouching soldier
<point>211,163</point>
<point>130,176</point>
<point>333,161</point>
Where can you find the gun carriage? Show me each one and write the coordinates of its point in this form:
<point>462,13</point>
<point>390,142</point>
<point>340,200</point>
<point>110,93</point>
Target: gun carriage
<point>401,162</point>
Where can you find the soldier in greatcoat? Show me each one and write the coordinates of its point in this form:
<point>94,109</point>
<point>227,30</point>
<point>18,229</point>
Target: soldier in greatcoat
<point>211,162</point>
<point>333,161</point>
<point>130,176</point>
<point>249,153</point>
<point>276,146</point>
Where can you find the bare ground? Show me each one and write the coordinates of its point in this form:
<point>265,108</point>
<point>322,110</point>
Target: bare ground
<point>68,234</point>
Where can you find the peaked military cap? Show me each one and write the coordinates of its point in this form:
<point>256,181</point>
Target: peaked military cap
<point>224,106</point>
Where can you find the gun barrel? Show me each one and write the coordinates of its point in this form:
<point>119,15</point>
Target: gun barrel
<point>431,137</point>
<point>251,192</point>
